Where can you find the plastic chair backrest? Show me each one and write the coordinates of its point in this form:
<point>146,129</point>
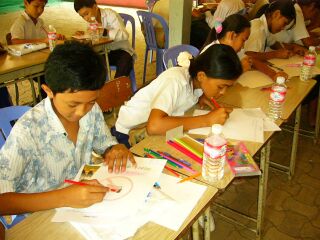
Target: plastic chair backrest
<point>145,19</point>
<point>171,54</point>
<point>114,93</point>
<point>8,117</point>
<point>128,18</point>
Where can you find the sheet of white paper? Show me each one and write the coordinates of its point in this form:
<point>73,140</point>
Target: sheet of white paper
<point>242,124</point>
<point>22,49</point>
<point>135,184</point>
<point>254,79</point>
<point>292,66</point>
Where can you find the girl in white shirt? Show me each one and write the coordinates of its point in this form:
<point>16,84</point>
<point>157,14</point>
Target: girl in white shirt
<point>120,53</point>
<point>162,103</point>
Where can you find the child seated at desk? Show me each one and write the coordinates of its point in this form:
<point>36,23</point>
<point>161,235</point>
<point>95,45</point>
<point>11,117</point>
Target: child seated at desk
<point>30,28</point>
<point>277,16</point>
<point>120,54</point>
<point>233,31</point>
<point>163,102</point>
<point>55,138</point>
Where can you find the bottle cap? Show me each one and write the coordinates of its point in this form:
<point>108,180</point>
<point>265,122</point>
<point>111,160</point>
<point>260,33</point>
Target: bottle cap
<point>93,18</point>
<point>312,48</point>
<point>216,128</point>
<point>281,80</point>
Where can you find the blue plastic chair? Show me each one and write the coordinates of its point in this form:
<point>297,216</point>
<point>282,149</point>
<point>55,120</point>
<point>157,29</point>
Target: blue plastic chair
<point>128,18</point>
<point>146,19</point>
<point>171,54</point>
<point>8,116</point>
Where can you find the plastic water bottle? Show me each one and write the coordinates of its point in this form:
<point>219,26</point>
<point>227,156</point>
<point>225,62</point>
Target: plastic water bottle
<point>52,37</point>
<point>277,97</point>
<point>93,30</point>
<point>309,62</point>
<point>214,155</point>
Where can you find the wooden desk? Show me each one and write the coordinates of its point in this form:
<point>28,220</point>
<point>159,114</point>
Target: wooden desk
<point>39,225</point>
<point>14,69</point>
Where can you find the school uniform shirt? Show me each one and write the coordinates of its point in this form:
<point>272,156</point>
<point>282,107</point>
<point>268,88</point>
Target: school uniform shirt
<point>171,92</point>
<point>113,22</point>
<point>260,38</point>
<point>224,9</point>
<point>256,7</point>
<point>24,28</point>
<point>240,54</point>
<point>38,156</point>
<point>298,32</point>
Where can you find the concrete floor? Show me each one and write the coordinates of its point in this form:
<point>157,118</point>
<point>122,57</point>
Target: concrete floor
<point>292,207</point>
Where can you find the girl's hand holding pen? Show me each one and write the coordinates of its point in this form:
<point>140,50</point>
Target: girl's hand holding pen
<point>80,196</point>
<point>218,116</point>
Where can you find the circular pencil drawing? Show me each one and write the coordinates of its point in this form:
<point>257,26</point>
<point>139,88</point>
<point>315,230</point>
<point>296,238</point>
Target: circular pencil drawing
<point>120,186</point>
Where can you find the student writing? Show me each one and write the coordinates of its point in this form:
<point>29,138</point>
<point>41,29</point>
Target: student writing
<point>162,103</point>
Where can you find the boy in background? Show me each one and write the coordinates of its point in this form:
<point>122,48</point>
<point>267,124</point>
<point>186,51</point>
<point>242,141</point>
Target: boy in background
<point>55,138</point>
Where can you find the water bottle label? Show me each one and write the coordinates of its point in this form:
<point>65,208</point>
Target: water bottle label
<point>93,26</point>
<point>309,60</point>
<point>278,93</point>
<point>52,36</point>
<point>214,151</point>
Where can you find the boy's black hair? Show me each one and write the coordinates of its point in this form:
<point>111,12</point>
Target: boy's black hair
<point>309,2</point>
<point>218,61</point>
<point>286,8</point>
<point>78,4</point>
<point>233,23</point>
<point>73,67</point>
<point>46,1</point>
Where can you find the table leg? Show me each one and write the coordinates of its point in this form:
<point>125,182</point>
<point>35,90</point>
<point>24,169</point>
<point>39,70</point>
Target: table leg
<point>107,63</point>
<point>295,142</point>
<point>33,92</point>
<point>317,127</point>
<point>207,219</point>
<point>263,182</point>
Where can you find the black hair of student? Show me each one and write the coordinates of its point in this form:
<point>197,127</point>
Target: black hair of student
<point>78,4</point>
<point>218,61</point>
<point>74,66</point>
<point>233,23</point>
<point>286,8</point>
<point>309,2</point>
<point>29,1</point>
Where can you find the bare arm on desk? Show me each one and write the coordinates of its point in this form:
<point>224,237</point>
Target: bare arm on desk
<point>159,122</point>
<point>281,53</point>
<point>264,68</point>
<point>73,196</point>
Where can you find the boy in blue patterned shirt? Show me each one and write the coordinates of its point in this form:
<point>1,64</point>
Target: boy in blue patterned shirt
<point>54,139</point>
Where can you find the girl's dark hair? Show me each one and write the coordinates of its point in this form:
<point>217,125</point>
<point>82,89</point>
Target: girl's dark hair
<point>309,2</point>
<point>286,8</point>
<point>78,4</point>
<point>45,1</point>
<point>233,23</point>
<point>218,61</point>
<point>74,66</point>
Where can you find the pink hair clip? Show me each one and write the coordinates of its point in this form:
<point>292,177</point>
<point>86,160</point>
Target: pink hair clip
<point>218,25</point>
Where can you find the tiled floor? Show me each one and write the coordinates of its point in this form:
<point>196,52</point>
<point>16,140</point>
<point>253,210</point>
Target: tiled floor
<point>292,207</point>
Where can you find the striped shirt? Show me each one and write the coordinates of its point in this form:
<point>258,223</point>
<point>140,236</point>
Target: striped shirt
<point>38,155</point>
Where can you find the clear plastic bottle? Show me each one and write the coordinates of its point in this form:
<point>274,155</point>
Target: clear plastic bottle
<point>214,155</point>
<point>52,37</point>
<point>93,30</point>
<point>309,62</point>
<point>277,97</point>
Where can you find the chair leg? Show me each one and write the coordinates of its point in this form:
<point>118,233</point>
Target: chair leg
<point>159,62</point>
<point>133,80</point>
<point>33,91</point>
<point>16,89</point>
<point>145,66</point>
<point>151,56</point>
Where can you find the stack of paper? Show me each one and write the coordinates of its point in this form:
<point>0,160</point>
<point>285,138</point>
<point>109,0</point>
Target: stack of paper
<point>247,124</point>
<point>254,79</point>
<point>21,49</point>
<point>121,214</point>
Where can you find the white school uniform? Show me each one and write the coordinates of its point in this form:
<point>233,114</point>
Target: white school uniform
<point>240,54</point>
<point>298,32</point>
<point>113,22</point>
<point>260,38</point>
<point>24,28</point>
<point>171,92</point>
<point>224,9</point>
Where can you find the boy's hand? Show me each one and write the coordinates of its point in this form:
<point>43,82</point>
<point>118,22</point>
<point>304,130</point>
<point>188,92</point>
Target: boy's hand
<point>79,33</point>
<point>246,63</point>
<point>60,37</point>
<point>299,50</point>
<point>218,116</point>
<point>77,196</point>
<point>280,74</point>
<point>117,158</point>
<point>204,101</point>
<point>284,53</point>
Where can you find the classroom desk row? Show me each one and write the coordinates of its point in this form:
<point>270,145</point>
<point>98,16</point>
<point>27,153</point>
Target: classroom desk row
<point>18,68</point>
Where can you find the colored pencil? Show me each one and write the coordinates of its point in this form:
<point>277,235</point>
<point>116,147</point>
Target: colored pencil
<point>185,151</point>
<point>178,163</point>
<point>215,103</point>
<point>190,177</point>
<point>185,145</point>
<point>172,171</point>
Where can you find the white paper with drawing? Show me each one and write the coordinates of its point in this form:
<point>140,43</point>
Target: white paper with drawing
<point>254,79</point>
<point>241,125</point>
<point>135,184</point>
<point>292,66</point>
